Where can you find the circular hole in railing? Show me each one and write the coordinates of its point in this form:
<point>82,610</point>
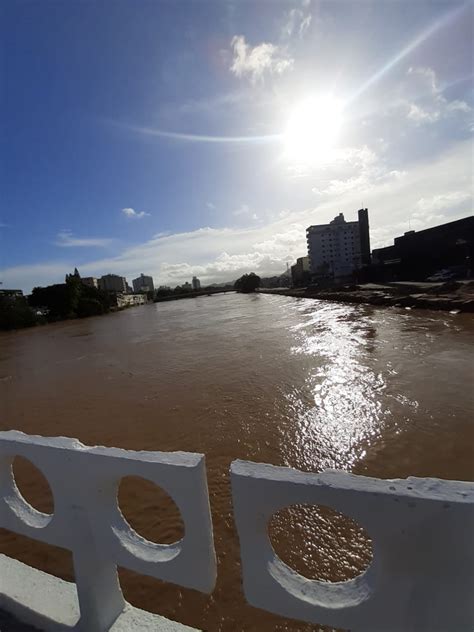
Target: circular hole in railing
<point>150,511</point>
<point>32,485</point>
<point>320,543</point>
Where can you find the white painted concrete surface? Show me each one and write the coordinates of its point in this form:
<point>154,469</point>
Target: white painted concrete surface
<point>51,604</point>
<point>421,578</point>
<point>422,575</point>
<point>88,522</point>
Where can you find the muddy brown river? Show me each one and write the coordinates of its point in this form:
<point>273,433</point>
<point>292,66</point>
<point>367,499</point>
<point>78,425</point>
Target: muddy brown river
<point>296,382</point>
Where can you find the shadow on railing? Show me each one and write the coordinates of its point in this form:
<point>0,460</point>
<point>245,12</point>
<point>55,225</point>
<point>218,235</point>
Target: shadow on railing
<point>421,577</point>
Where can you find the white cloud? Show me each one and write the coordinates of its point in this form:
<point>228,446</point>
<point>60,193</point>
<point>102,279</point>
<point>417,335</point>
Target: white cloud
<point>132,214</point>
<point>243,209</point>
<point>458,106</point>
<point>255,62</point>
<point>428,75</point>
<point>419,115</point>
<point>362,183</point>
<point>297,20</point>
<point>65,239</point>
<point>428,103</point>
<point>354,169</point>
<point>443,201</point>
<point>244,212</point>
<point>211,206</point>
<point>425,195</point>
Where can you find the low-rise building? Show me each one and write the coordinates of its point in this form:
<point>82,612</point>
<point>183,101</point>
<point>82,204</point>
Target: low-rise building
<point>11,293</point>
<point>339,248</point>
<point>113,283</point>
<point>417,254</point>
<point>300,271</point>
<point>143,283</point>
<point>127,300</point>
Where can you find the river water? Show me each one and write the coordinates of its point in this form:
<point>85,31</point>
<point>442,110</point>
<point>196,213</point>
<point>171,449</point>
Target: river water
<point>297,382</point>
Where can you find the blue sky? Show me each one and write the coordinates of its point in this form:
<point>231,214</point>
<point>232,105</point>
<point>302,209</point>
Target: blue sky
<point>154,136</point>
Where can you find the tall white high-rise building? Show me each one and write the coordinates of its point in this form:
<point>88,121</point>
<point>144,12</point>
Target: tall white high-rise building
<point>338,248</point>
<point>196,283</point>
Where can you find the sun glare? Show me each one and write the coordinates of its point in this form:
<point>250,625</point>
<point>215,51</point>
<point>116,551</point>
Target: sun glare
<point>312,129</point>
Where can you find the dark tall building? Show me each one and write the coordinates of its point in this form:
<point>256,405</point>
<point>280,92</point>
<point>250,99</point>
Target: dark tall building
<point>364,235</point>
<point>417,255</point>
<point>113,283</point>
<point>143,283</point>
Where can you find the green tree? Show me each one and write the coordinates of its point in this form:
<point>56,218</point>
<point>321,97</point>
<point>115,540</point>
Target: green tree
<point>106,299</point>
<point>247,283</point>
<point>89,307</point>
<point>71,299</point>
<point>60,300</point>
<point>15,313</point>
<point>161,292</point>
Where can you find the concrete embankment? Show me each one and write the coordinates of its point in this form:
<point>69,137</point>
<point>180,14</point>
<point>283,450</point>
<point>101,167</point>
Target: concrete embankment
<point>452,295</point>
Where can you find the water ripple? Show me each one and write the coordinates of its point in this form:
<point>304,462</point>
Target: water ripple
<point>346,410</point>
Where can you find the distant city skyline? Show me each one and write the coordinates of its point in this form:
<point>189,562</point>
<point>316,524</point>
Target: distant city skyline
<point>203,139</point>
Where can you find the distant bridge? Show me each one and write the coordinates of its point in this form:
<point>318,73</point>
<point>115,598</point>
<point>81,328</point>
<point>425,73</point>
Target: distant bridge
<point>193,294</point>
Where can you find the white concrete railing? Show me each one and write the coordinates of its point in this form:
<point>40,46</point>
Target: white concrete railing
<point>88,522</point>
<point>421,577</point>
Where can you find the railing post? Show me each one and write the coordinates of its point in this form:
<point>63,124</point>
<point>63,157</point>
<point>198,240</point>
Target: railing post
<point>98,588</point>
<point>87,521</point>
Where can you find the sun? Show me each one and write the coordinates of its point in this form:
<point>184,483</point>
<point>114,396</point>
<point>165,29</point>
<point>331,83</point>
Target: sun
<point>312,129</point>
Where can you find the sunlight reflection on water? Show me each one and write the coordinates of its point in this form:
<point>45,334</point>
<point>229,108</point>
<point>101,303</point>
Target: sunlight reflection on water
<point>346,410</point>
<point>265,378</point>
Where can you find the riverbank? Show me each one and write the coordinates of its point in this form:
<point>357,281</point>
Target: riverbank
<point>453,295</point>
